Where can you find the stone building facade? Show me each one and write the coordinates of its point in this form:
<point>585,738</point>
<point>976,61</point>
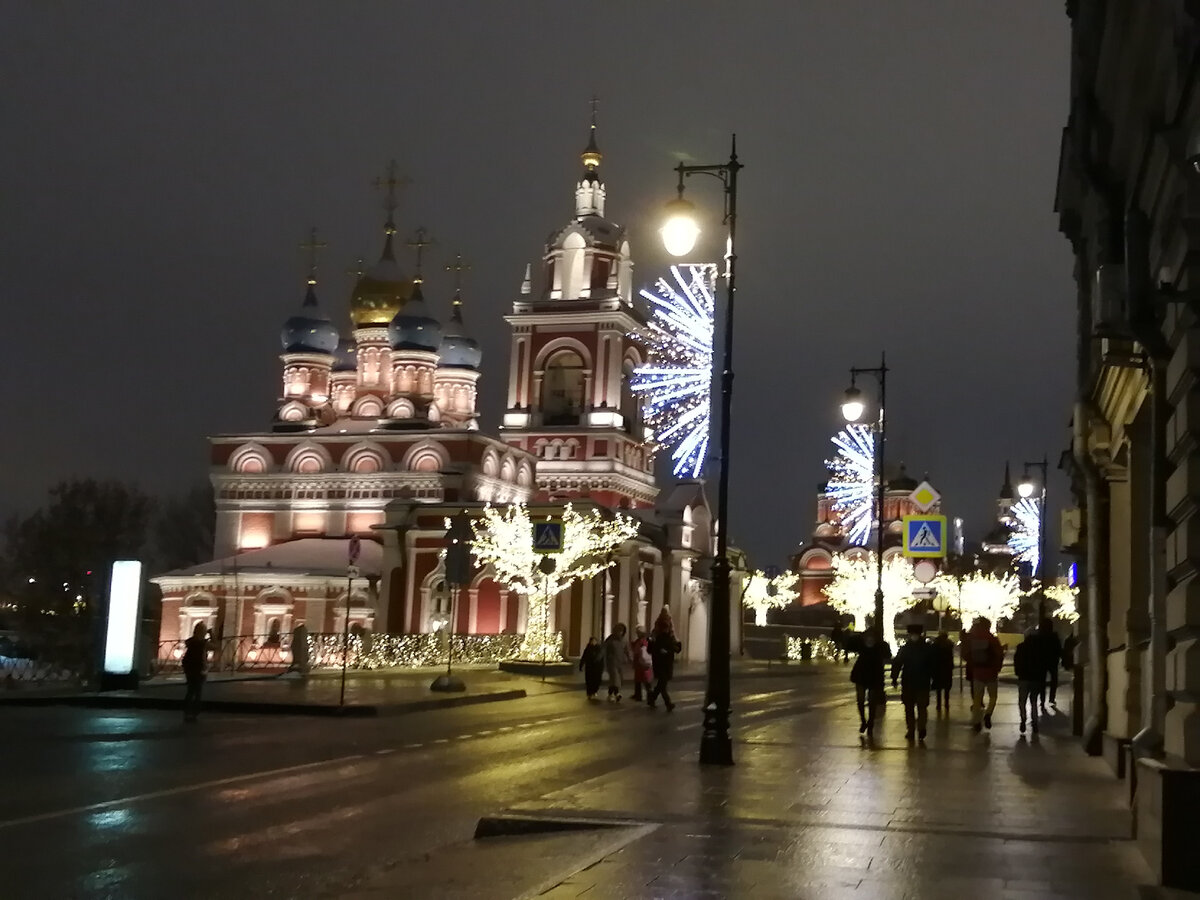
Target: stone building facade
<point>1128,200</point>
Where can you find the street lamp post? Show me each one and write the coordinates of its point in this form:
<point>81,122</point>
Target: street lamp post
<point>1026,489</point>
<point>853,407</point>
<point>679,235</point>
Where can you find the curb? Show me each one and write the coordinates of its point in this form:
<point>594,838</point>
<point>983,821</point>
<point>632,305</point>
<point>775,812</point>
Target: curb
<point>510,824</point>
<point>101,701</point>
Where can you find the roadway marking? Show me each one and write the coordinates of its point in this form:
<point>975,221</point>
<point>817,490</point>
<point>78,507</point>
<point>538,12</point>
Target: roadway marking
<point>176,791</point>
<point>413,746</point>
<point>385,750</point>
<point>442,741</point>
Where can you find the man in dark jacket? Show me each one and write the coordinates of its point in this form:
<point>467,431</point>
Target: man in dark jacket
<point>913,667</point>
<point>867,676</point>
<point>943,669</point>
<point>194,662</point>
<point>1030,670</point>
<point>1050,651</point>
<point>663,647</point>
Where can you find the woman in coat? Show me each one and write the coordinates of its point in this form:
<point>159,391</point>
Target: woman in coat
<point>643,664</point>
<point>591,663</point>
<point>616,654</point>
<point>663,647</point>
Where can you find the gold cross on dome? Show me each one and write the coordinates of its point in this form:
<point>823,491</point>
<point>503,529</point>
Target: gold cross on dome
<point>458,267</point>
<point>390,181</point>
<point>419,241</point>
<point>311,248</point>
<point>358,270</point>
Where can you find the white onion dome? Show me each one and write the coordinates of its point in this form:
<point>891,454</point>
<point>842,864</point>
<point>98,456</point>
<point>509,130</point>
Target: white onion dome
<point>345,357</point>
<point>458,349</point>
<point>413,328</point>
<point>310,330</point>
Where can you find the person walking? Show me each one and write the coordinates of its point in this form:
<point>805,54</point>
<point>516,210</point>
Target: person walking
<point>1028,666</point>
<point>663,647</point>
<point>1050,652</point>
<point>194,662</point>
<point>867,675</point>
<point>837,638</point>
<point>643,665</point>
<point>616,654</point>
<point>943,670</point>
<point>591,663</point>
<point>913,668</point>
<point>983,655</point>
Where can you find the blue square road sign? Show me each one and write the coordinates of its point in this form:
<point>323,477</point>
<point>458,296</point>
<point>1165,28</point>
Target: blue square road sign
<point>925,536</point>
<point>548,536</point>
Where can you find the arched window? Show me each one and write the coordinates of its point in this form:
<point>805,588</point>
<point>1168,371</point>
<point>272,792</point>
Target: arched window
<point>439,598</point>
<point>631,403</point>
<point>562,389</point>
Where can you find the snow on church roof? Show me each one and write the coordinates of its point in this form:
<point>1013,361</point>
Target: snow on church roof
<point>306,556</point>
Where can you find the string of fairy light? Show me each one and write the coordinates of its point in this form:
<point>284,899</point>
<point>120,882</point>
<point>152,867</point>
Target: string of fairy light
<point>851,486</point>
<point>676,382</point>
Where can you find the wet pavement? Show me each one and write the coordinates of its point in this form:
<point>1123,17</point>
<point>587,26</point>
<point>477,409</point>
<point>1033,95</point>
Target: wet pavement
<point>138,805</point>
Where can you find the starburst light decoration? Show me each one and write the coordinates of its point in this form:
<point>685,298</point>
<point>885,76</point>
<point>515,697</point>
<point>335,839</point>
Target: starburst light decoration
<point>504,540</point>
<point>852,590</point>
<point>852,481</point>
<point>994,597</point>
<point>676,383</point>
<point>1026,538</point>
<point>763,593</point>
<point>1066,599</point>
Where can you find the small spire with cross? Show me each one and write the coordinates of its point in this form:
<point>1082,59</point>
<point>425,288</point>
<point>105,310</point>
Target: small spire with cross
<point>389,183</point>
<point>311,247</point>
<point>591,155</point>
<point>358,269</point>
<point>419,241</point>
<point>457,267</point>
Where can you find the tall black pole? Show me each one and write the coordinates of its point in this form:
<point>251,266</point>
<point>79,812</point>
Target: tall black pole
<point>882,496</point>
<point>346,635</point>
<point>1042,537</point>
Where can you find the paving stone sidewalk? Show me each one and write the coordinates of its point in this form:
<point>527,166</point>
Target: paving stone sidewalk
<point>812,811</point>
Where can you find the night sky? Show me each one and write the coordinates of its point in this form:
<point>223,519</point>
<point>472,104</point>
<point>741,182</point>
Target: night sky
<point>162,162</point>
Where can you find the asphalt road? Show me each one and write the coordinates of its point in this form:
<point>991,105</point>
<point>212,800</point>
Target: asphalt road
<point>138,805</point>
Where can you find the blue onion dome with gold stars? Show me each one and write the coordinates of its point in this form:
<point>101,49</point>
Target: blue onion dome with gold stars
<point>458,350</point>
<point>345,357</point>
<point>413,328</point>
<point>310,330</point>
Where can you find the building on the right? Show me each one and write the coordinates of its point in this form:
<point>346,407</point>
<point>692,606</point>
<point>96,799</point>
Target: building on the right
<point>1128,199</point>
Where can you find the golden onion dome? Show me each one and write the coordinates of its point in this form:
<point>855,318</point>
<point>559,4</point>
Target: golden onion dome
<point>591,155</point>
<point>381,291</point>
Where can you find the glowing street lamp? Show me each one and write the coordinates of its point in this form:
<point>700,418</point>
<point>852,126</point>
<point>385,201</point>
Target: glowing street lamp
<point>679,237</point>
<point>853,407</point>
<point>680,231</point>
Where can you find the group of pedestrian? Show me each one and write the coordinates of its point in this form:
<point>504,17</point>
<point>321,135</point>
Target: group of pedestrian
<point>920,668</point>
<point>923,667</point>
<point>652,657</point>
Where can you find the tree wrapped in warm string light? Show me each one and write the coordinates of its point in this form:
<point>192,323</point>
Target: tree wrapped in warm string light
<point>852,590</point>
<point>985,594</point>
<point>1066,602</point>
<point>851,484</point>
<point>504,540</point>
<point>676,383</point>
<point>763,593</point>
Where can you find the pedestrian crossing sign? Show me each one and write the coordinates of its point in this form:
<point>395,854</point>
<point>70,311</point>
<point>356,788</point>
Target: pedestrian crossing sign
<point>925,536</point>
<point>548,536</point>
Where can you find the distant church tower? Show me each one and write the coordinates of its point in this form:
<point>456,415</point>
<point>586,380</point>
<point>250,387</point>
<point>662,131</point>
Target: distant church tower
<point>574,349</point>
<point>996,551</point>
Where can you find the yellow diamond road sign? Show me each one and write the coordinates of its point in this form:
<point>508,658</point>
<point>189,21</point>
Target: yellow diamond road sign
<point>925,497</point>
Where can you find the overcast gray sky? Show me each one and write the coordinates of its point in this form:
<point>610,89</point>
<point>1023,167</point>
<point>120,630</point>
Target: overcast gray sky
<point>163,161</point>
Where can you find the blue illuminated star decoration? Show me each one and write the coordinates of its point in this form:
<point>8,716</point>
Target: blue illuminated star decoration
<point>851,484</point>
<point>676,383</point>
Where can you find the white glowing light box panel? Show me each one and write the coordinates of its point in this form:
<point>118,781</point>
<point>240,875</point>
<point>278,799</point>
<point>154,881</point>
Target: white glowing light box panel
<point>124,609</point>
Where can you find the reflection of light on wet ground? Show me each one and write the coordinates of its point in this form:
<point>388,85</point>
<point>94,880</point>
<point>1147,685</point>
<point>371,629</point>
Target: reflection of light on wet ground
<point>110,818</point>
<point>276,837</point>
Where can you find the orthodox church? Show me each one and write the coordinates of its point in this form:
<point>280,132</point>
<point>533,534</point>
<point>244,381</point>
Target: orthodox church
<point>376,440</point>
<point>814,560</point>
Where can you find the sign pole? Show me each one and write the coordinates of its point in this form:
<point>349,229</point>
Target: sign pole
<point>346,634</point>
